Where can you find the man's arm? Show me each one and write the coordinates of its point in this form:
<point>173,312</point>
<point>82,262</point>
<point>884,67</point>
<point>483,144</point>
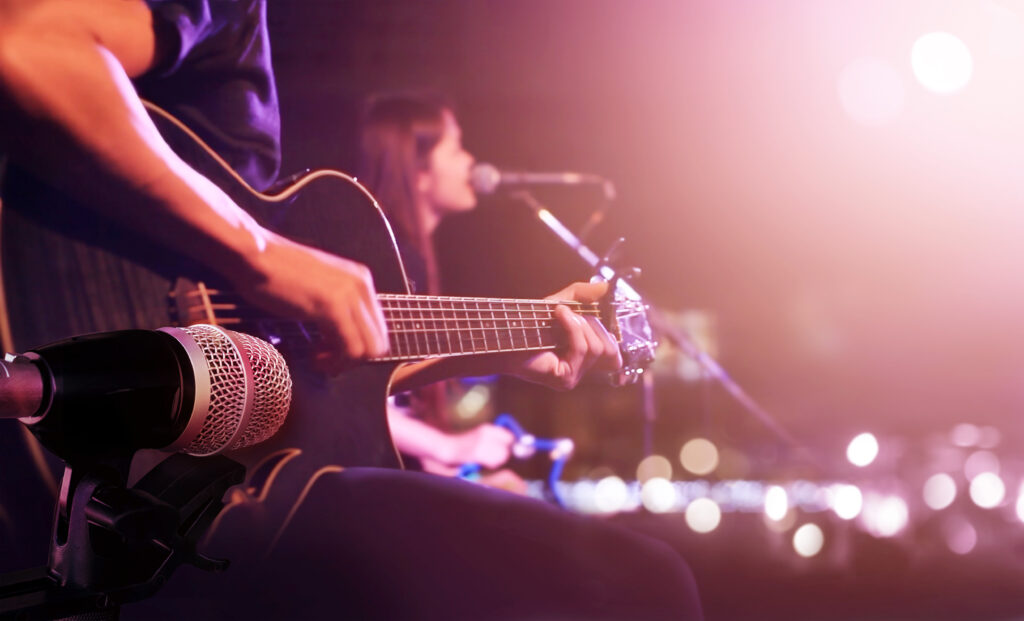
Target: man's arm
<point>72,117</point>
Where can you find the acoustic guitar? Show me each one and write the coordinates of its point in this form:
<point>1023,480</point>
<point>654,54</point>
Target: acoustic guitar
<point>335,421</point>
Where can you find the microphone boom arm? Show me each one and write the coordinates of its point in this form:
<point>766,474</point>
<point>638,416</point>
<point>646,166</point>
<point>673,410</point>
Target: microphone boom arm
<point>678,338</point>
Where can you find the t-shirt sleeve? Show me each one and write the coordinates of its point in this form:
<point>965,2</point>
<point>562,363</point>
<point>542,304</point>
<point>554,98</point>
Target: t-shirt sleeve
<point>179,25</point>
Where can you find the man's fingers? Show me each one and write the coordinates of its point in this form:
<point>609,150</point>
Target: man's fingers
<point>575,328</point>
<point>373,329</point>
<point>374,317</point>
<point>609,357</point>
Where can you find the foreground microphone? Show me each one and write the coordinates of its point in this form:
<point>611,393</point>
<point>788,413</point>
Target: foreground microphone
<point>485,179</point>
<point>200,389</point>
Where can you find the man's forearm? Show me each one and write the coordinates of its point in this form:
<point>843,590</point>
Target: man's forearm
<point>73,118</point>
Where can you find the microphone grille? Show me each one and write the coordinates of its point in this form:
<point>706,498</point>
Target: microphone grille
<point>250,390</point>
<point>485,178</point>
<point>273,390</point>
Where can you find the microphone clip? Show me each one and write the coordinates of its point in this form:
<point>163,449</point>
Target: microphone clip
<point>113,545</point>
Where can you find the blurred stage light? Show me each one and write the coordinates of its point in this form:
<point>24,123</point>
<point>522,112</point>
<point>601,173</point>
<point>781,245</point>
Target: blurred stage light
<point>658,495</point>
<point>941,62</point>
<point>776,503</point>
<point>846,501</point>
<point>473,401</point>
<point>987,490</point>
<point>965,434</point>
<point>961,536</point>
<point>703,515</point>
<point>808,540</point>
<point>939,491</point>
<point>871,91</point>
<point>610,495</point>
<point>989,437</point>
<point>653,466</point>
<point>980,462</point>
<point>584,493</point>
<point>884,516</point>
<point>862,450</point>
<point>699,456</point>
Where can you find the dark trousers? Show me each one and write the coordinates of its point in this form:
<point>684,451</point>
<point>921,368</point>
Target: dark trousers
<point>383,544</point>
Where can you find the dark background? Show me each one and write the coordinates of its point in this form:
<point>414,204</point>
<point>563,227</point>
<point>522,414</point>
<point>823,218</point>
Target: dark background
<point>859,277</point>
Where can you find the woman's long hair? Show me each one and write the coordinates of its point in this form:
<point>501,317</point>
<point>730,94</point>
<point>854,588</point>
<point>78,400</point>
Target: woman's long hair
<point>399,131</point>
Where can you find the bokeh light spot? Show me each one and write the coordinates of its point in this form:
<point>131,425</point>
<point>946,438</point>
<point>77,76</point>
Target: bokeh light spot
<point>980,462</point>
<point>847,501</point>
<point>808,540</point>
<point>610,495</point>
<point>939,491</point>
<point>658,495</point>
<point>776,503</point>
<point>1020,503</point>
<point>987,490</point>
<point>862,450</point>
<point>652,467</point>
<point>961,536</point>
<point>941,62</point>
<point>965,434</point>
<point>703,515</point>
<point>699,456</point>
<point>884,516</point>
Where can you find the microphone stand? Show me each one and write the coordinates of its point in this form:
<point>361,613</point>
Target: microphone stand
<point>112,544</point>
<point>676,336</point>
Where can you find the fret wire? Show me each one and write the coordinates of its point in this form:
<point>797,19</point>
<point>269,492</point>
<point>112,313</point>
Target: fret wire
<point>483,328</point>
<point>509,327</point>
<point>462,348</point>
<point>413,322</point>
<point>408,347</point>
<point>447,333</point>
<point>540,338</point>
<point>522,324</point>
<point>472,336</point>
<point>426,335</point>
<point>494,325</point>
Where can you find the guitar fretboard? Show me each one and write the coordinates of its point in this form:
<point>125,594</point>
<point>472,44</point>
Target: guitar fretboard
<point>430,326</point>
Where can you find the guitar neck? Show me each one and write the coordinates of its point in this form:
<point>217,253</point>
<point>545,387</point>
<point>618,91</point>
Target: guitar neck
<point>419,326</point>
<point>431,326</point>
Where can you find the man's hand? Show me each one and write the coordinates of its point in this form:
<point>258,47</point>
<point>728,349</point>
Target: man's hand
<point>338,294</point>
<point>587,344</point>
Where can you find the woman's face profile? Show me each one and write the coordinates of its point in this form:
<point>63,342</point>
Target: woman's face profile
<point>445,185</point>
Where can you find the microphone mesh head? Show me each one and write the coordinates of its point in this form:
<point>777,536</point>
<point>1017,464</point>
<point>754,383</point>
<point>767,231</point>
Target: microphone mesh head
<point>485,178</point>
<point>273,392</point>
<point>250,390</point>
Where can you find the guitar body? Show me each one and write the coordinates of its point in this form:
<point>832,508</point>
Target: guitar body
<point>338,420</point>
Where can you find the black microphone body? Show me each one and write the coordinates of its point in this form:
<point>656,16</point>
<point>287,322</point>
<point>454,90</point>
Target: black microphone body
<point>103,393</point>
<point>200,389</point>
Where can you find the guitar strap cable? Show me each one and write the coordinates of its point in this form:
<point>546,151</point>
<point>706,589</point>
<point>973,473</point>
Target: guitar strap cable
<point>288,191</point>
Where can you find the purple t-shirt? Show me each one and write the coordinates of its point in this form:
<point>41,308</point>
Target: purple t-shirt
<point>214,73</point>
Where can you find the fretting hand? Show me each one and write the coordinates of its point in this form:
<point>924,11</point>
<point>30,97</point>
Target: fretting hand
<point>587,344</point>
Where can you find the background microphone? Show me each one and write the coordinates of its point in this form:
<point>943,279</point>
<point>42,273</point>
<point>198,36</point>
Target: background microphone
<point>200,389</point>
<point>486,179</point>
